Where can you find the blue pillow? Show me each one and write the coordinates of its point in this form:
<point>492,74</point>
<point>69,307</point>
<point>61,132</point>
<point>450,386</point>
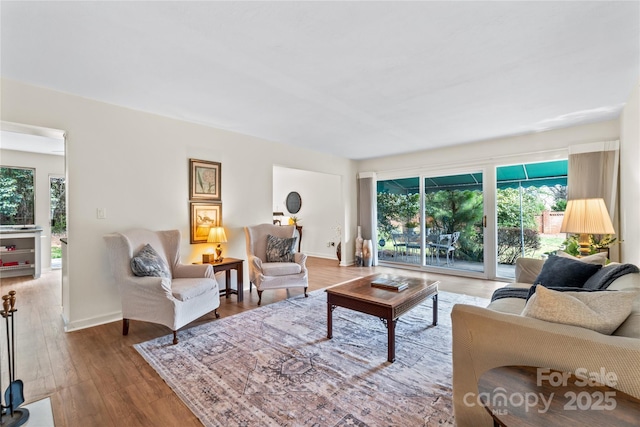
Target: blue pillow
<point>147,262</point>
<point>280,249</point>
<point>565,273</point>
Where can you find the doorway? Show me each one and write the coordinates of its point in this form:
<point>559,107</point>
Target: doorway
<point>58,219</point>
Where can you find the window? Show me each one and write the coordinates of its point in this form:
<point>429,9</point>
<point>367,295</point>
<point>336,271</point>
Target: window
<point>17,196</point>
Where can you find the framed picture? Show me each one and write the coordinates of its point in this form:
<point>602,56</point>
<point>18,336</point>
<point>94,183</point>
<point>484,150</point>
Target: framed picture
<point>204,216</point>
<point>205,180</point>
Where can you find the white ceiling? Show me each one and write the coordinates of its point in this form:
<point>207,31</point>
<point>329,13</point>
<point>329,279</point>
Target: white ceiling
<point>355,79</point>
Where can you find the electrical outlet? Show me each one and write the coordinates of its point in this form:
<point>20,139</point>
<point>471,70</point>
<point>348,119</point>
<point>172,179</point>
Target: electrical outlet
<point>101,213</point>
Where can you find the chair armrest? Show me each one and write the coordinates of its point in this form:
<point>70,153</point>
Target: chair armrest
<point>145,286</point>
<point>255,262</point>
<point>300,258</point>
<point>193,271</point>
<point>484,339</point>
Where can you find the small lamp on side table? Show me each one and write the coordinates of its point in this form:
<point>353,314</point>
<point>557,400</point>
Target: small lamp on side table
<point>584,217</point>
<point>216,235</point>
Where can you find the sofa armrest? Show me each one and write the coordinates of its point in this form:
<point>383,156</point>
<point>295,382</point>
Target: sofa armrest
<point>527,269</point>
<point>484,339</point>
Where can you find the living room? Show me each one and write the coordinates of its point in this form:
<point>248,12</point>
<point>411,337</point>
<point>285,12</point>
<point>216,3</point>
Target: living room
<point>132,163</point>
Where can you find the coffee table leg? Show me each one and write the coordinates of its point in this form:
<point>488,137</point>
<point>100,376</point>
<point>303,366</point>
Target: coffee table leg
<point>391,344</point>
<point>330,308</point>
<point>435,309</point>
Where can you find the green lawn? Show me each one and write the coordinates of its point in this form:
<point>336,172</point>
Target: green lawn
<point>56,252</point>
<point>549,243</point>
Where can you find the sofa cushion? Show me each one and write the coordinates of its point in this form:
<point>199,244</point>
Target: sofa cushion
<point>565,272</point>
<point>186,289</point>
<point>280,268</point>
<point>280,249</point>
<point>602,311</point>
<point>599,259</point>
<point>147,262</point>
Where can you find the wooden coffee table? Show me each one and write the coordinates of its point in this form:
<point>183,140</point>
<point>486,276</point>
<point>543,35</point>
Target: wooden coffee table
<point>526,396</point>
<point>388,305</point>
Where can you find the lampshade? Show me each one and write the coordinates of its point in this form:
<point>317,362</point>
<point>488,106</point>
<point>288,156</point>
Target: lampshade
<point>586,216</point>
<point>216,235</point>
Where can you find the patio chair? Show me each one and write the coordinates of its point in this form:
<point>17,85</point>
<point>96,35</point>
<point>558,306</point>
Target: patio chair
<point>444,243</point>
<point>399,244</point>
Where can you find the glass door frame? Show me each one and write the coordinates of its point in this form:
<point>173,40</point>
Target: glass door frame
<point>489,216</point>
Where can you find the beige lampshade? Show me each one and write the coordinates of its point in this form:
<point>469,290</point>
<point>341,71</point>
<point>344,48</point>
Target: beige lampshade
<point>216,235</point>
<point>586,216</point>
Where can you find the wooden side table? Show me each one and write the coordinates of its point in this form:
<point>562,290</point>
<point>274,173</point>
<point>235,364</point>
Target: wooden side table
<point>526,396</point>
<point>227,265</point>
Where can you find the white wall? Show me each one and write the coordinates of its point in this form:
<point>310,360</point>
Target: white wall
<point>630,179</point>
<point>320,211</point>
<point>135,165</point>
<point>45,165</point>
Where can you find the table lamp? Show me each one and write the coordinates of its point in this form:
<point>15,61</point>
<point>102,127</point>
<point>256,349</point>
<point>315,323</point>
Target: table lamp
<point>216,235</point>
<point>584,217</point>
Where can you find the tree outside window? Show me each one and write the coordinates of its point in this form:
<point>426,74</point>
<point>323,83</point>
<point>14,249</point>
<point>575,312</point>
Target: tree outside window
<point>17,196</point>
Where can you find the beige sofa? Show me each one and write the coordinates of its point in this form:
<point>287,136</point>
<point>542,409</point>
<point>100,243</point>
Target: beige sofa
<point>485,338</point>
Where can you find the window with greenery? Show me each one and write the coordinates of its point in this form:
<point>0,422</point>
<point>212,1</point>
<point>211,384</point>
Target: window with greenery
<point>17,198</point>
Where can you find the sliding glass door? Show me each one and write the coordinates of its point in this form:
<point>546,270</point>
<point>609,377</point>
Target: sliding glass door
<point>531,198</point>
<point>432,221</point>
<point>399,221</point>
<point>454,221</point>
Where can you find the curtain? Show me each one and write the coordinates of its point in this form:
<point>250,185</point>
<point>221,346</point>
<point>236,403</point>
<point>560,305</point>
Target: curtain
<point>366,210</point>
<point>593,173</point>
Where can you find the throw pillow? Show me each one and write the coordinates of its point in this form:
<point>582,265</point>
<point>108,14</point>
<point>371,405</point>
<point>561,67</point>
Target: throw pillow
<point>565,272</point>
<point>147,262</point>
<point>600,258</point>
<point>599,311</point>
<point>280,249</point>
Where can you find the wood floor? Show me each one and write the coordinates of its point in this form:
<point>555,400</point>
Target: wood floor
<point>94,377</point>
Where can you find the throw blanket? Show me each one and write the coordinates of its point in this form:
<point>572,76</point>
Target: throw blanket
<point>605,276</point>
<point>599,281</point>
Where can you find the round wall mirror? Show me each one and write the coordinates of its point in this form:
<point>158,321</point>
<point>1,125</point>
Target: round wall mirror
<point>294,202</point>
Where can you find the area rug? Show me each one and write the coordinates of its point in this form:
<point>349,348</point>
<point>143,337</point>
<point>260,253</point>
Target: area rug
<point>274,366</point>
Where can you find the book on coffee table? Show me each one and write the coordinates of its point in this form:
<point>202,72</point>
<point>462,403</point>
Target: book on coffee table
<point>390,284</point>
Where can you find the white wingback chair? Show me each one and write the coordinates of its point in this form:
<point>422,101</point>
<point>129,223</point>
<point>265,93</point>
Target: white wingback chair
<point>190,293</point>
<point>273,275</point>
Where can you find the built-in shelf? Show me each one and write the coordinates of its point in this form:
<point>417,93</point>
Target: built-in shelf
<point>27,251</point>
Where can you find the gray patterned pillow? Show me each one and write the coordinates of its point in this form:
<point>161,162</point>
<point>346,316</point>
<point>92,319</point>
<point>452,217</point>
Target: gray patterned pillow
<point>280,249</point>
<point>147,262</point>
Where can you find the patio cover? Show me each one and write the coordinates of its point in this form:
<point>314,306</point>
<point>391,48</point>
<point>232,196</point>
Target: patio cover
<point>513,176</point>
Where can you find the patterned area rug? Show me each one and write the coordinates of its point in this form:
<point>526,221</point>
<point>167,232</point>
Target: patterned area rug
<point>274,366</point>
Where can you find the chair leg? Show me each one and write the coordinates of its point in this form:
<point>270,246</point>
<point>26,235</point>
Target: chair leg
<point>305,292</point>
<point>250,284</point>
<point>216,313</point>
<point>259,297</point>
<point>125,326</point>
<point>175,337</point>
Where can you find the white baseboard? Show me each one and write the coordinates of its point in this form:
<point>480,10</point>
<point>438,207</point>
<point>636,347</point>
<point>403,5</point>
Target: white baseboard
<point>93,321</point>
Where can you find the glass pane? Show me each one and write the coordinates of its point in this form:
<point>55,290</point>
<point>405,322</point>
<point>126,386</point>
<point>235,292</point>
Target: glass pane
<point>454,210</point>
<point>530,205</point>
<point>16,196</point>
<point>399,222</point>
